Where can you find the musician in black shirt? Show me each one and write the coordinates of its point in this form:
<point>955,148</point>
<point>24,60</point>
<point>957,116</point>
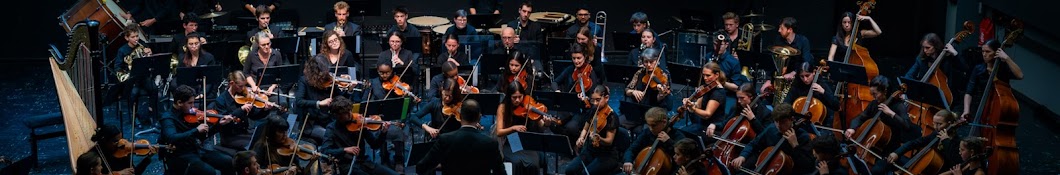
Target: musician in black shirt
<point>347,146</point>
<point>528,31</point>
<point>342,25</point>
<point>188,138</point>
<point>194,55</point>
<point>401,25</point>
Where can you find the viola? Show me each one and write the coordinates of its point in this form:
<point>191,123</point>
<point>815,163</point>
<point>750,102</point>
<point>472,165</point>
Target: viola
<point>521,78</point>
<point>274,169</point>
<point>141,147</point>
<point>259,99</point>
<point>655,78</point>
<point>196,116</point>
<point>343,82</point>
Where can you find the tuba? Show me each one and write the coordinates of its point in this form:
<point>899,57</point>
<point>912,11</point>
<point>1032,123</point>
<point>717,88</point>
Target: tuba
<point>138,52</point>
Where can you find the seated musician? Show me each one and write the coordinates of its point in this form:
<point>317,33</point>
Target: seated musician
<point>757,116</point>
<point>948,142</point>
<point>396,56</point>
<point>725,57</point>
<point>895,115</point>
<point>348,146</point>
<point>570,81</point>
<point>263,16</point>
<point>657,121</point>
<point>449,71</point>
<point>731,26</point>
<point>439,123</point>
<point>238,136</point>
<point>335,53</point>
<point>979,77</point>
<point>508,40</point>
<point>826,151</point>
<point>342,25</point>
<point>189,25</point>
<point>523,162</point>
<point>528,31</point>
<point>465,150</point>
<point>647,41</point>
<point>252,6</point>
<point>637,90</point>
<point>132,50</point>
<point>194,55</point>
<point>639,21</point>
<point>262,56</point>
<point>592,51</point>
<point>687,157</point>
<point>188,138</point>
<point>452,54</point>
<point>951,65</point>
<point>841,40</point>
<point>796,144</point>
<point>789,38</point>
<point>974,151</point>
<point>89,163</point>
<point>582,16</point>
<point>272,139</point>
<point>597,154</point>
<point>401,25</point>
<point>246,163</point>
<point>460,26</point>
<point>313,97</point>
<point>707,111</point>
<point>518,70</point>
<point>376,92</point>
<point>821,90</point>
<point>107,143</point>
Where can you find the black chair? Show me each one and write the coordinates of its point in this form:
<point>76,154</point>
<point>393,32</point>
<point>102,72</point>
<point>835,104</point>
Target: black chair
<point>43,122</point>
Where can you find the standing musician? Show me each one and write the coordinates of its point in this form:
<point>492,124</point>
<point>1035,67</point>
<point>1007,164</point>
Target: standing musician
<point>947,146</point>
<point>452,52</point>
<point>731,23</point>
<point>651,72</point>
<point>441,121</point>
<point>108,142</point>
<point>90,164</point>
<point>460,26</point>
<point>597,154</point>
<point>193,55</point>
<point>582,17</point>
<point>272,141</point>
<point>827,152</point>
<point>788,37</point>
<point>708,109</point>
<point>894,115</point>
<point>401,25</point>
<point>246,163</point>
<point>978,78</point>
<point>507,122</point>
<point>725,57</point>
<point>342,24</point>
<point>821,90</point>
<point>930,44</point>
<point>526,29</point>
<point>465,150</point>
<point>796,147</point>
<point>842,38</point>
<point>263,56</point>
<point>346,143</point>
<point>190,25</point>
<point>237,136</point>
<point>263,15</point>
<point>686,154</point>
<point>123,60</point>
<point>188,136</point>
<point>313,97</point>
<point>639,21</point>
<point>974,151</point>
<point>657,120</point>
<point>647,41</point>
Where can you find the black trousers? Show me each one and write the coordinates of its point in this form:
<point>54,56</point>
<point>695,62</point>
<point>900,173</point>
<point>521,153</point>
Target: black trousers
<point>206,162</point>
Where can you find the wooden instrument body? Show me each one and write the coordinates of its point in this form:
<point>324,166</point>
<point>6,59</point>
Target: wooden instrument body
<point>872,134</point>
<point>657,162</point>
<point>857,96</point>
<point>741,132</point>
<point>1002,112</point>
<point>930,163</point>
<point>779,164</point>
<point>816,109</point>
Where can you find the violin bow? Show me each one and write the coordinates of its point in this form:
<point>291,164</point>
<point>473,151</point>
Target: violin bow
<point>360,134</point>
<point>656,66</point>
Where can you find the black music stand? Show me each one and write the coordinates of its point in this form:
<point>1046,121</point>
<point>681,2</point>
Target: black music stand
<point>532,141</point>
<point>193,76</point>
<point>281,75</point>
<point>924,92</point>
<point>418,151</point>
<point>560,101</point>
<point>487,101</point>
<point>147,67</point>
<point>388,109</point>
<point>634,112</point>
<point>492,64</point>
<point>414,44</point>
<point>625,41</point>
<point>353,44</point>
<point>288,47</point>
<point>479,44</point>
<point>684,74</point>
<point>843,72</point>
<point>620,73</point>
<point>484,21</point>
<point>559,47</point>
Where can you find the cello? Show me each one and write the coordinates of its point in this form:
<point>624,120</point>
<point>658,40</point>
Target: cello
<point>810,106</point>
<point>737,129</point>
<point>920,113</point>
<point>874,133</point>
<point>652,160</point>
<point>927,160</point>
<point>1001,110</point>
<point>854,97</point>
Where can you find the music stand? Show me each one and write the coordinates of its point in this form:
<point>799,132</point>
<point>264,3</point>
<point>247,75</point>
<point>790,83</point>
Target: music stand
<point>560,101</point>
<point>625,41</point>
<point>542,142</point>
<point>487,101</point>
<point>479,44</point>
<point>924,92</point>
<point>492,64</point>
<point>147,67</point>
<point>365,7</point>
<point>559,47</point>
<point>684,74</point>
<point>484,21</point>
<point>634,112</point>
<point>413,44</point>
<point>282,75</point>
<point>388,109</point>
<point>843,72</point>
<point>288,46</point>
<point>621,72</point>
<point>418,151</point>
<point>193,76</point>
<point>354,41</point>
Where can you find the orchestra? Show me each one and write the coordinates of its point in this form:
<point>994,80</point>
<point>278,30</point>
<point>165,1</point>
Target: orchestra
<point>803,116</point>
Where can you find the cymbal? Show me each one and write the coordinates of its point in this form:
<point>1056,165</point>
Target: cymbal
<point>754,15</point>
<point>212,15</point>
<point>763,27</point>
<point>784,51</point>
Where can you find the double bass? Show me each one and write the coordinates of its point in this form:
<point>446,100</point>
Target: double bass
<point>999,108</point>
<point>919,112</point>
<point>854,97</point>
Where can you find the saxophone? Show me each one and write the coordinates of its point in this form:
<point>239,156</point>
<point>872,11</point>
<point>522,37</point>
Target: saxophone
<point>138,52</point>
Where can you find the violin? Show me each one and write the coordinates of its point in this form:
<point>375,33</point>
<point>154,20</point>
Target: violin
<point>359,122</point>
<point>395,85</point>
<point>533,110</point>
<point>452,110</point>
<point>466,89</point>
<point>581,75</point>
<point>259,100</point>
<point>343,82</point>
<point>141,147</point>
<point>274,169</point>
<point>521,78</point>
<point>599,122</point>
<point>304,151</point>
<point>196,116</point>
<point>655,78</point>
